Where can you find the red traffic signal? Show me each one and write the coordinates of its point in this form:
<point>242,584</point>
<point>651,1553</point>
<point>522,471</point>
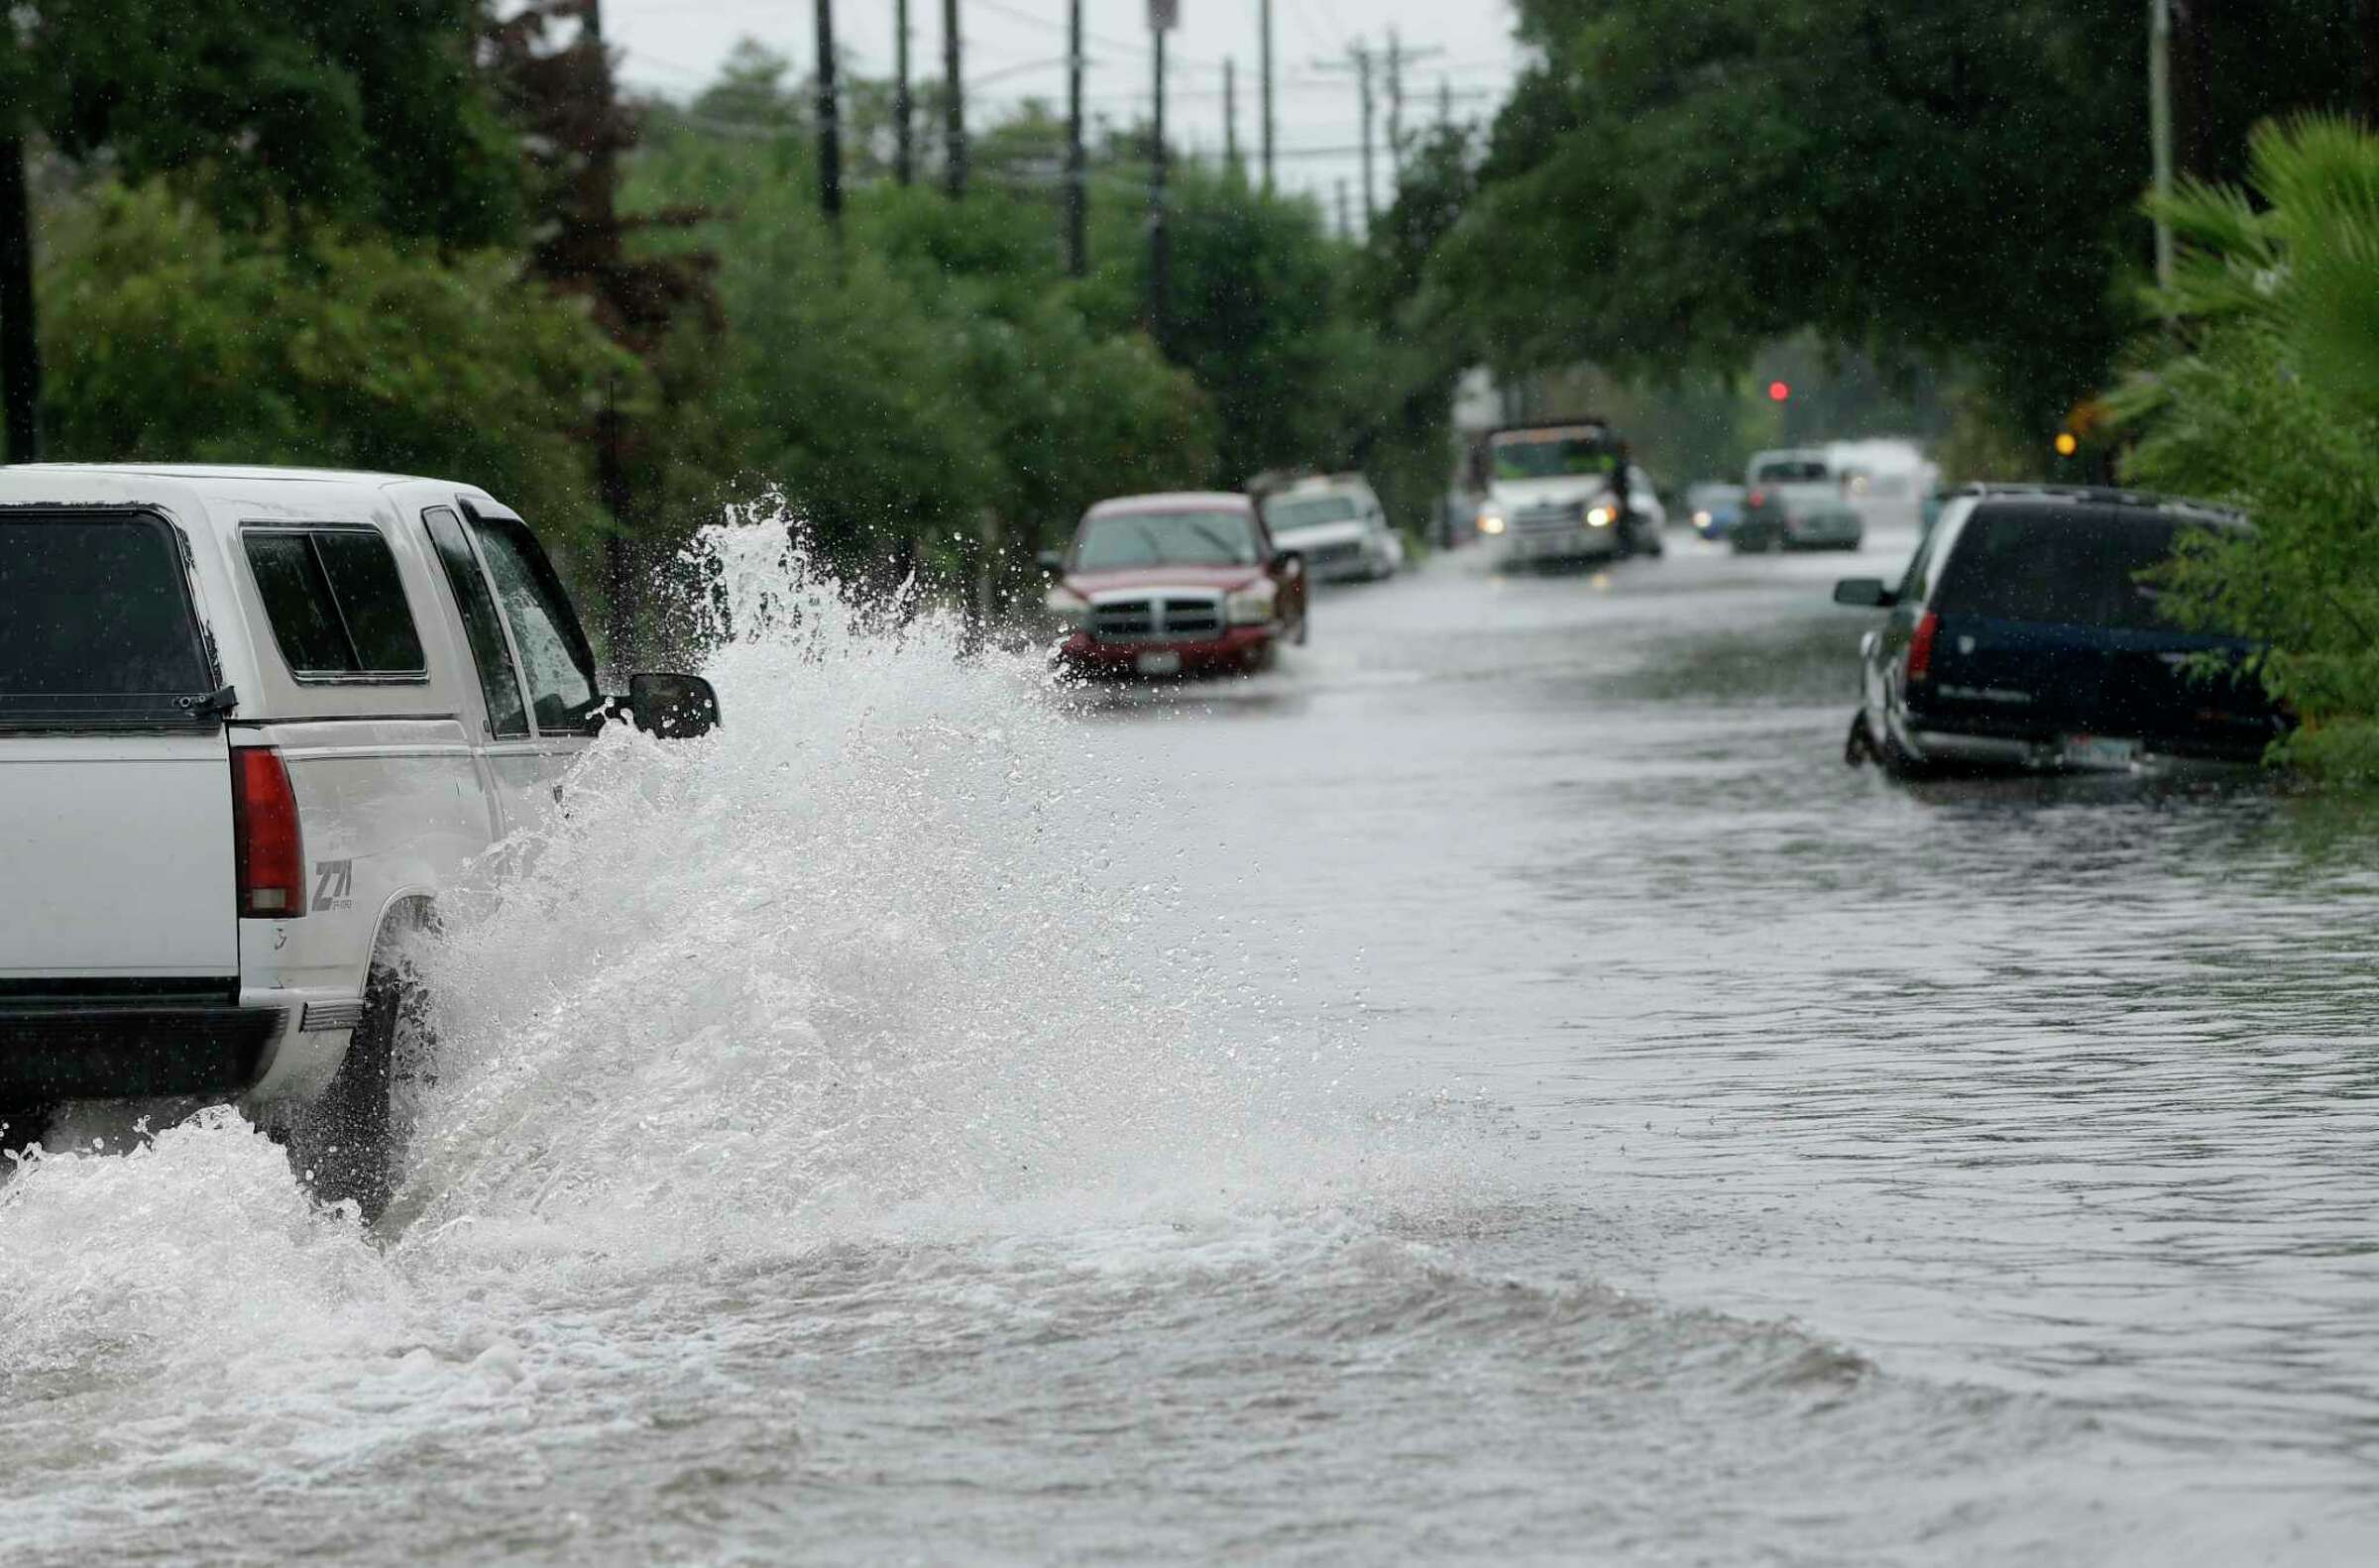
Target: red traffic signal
<point>1778,392</point>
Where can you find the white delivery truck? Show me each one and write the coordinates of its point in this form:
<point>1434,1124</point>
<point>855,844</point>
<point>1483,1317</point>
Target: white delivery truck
<point>1564,491</point>
<point>252,722</point>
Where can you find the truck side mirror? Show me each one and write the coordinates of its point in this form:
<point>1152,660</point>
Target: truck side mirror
<point>1863,592</point>
<point>672,707</point>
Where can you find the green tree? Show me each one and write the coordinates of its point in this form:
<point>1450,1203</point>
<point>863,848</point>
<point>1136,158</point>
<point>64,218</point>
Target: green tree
<point>169,339</point>
<point>927,380</point>
<point>1682,181</point>
<point>1258,300</point>
<point>2270,402</point>
<point>366,113</point>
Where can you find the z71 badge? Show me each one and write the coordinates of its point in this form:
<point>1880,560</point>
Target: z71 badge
<point>334,884</point>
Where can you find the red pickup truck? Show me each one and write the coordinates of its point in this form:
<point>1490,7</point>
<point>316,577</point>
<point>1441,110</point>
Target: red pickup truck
<point>1185,584</point>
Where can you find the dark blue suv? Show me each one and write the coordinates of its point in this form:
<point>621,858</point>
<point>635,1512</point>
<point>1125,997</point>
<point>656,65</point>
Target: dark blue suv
<point>2023,636</point>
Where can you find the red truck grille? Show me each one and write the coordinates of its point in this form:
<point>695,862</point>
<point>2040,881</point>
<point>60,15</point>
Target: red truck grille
<point>1166,618</point>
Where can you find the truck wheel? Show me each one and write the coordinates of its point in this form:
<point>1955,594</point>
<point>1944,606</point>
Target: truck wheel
<point>349,1143</point>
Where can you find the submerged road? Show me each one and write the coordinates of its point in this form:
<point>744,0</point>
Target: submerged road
<point>1497,1089</point>
<point>2052,1106</point>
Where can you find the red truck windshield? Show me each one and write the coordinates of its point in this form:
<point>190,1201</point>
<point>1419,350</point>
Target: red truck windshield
<point>1126,539</point>
<point>98,620</point>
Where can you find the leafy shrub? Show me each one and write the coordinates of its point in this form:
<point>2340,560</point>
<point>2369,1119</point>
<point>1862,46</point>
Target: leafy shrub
<point>2265,395</point>
<point>170,339</point>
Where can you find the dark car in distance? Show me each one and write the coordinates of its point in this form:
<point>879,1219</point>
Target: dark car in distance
<point>2027,635</point>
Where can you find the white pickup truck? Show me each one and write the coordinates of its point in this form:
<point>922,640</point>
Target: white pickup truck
<point>252,722</point>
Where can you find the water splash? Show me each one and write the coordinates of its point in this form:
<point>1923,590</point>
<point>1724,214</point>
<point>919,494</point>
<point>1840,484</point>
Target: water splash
<point>860,958</point>
<point>187,1252</point>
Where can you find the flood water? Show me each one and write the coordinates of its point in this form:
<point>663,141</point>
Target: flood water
<point>1497,1089</point>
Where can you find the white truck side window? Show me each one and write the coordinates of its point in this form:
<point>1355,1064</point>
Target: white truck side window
<point>498,682</point>
<point>554,658</point>
<point>336,604</point>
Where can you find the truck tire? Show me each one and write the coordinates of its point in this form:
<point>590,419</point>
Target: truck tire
<point>349,1144</point>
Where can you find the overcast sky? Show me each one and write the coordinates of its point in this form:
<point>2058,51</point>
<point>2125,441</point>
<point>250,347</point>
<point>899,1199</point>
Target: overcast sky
<point>1014,51</point>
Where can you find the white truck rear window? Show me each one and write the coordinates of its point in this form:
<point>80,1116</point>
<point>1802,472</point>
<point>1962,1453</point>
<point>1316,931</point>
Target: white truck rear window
<point>96,621</point>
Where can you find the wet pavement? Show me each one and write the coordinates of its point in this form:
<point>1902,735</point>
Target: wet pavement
<point>1495,1088</point>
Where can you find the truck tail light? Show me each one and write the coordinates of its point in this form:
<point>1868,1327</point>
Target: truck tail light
<point>1920,648</point>
<point>266,841</point>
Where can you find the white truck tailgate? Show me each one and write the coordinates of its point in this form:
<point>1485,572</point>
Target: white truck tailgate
<point>116,856</point>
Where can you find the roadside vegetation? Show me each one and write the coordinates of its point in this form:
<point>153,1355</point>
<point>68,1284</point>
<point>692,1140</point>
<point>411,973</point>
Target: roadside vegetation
<point>2264,393</point>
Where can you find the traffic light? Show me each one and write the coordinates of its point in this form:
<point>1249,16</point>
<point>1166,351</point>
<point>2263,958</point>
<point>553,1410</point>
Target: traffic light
<point>2067,443</point>
<point>1779,392</point>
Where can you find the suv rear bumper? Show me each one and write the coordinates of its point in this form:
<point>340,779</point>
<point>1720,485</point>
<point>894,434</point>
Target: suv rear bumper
<point>2044,753</point>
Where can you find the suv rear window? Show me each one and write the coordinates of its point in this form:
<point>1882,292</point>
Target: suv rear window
<point>2075,566</point>
<point>99,621</point>
<point>1308,512</point>
<point>336,603</point>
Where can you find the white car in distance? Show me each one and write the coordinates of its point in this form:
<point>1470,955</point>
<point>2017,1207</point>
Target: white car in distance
<point>254,725</point>
<point>1337,524</point>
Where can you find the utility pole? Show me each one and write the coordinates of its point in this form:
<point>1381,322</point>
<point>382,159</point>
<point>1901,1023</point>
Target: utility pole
<point>612,487</point>
<point>1264,22</point>
<point>1160,242</point>
<point>1230,116</point>
<point>1359,52</point>
<point>954,108</point>
<point>1399,58</point>
<point>2160,126</point>
<point>20,348</point>
<point>1445,103</point>
<point>904,112</point>
<point>1345,228</point>
<point>1078,172</point>
<point>829,120</point>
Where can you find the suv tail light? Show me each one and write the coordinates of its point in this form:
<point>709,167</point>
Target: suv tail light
<point>1920,648</point>
<point>267,842</point>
